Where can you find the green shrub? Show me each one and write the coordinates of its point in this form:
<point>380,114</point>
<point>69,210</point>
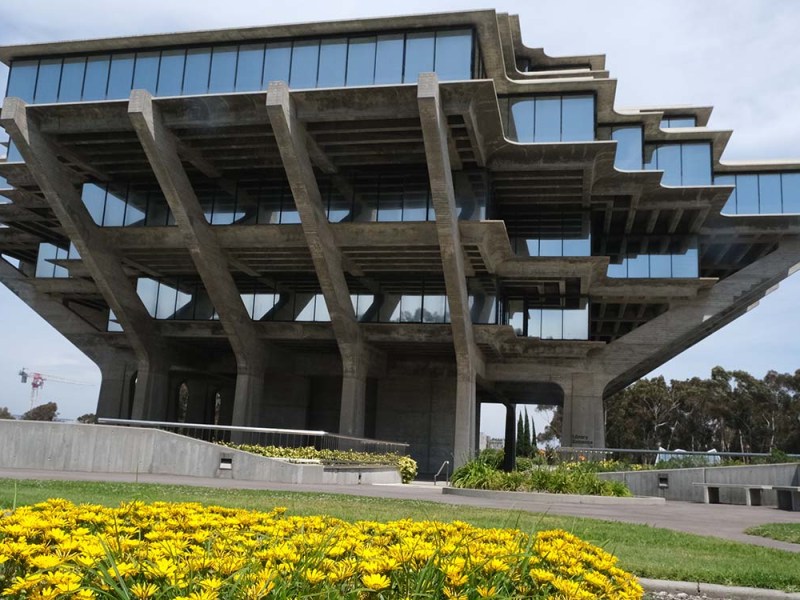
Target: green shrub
<point>575,478</point>
<point>405,464</point>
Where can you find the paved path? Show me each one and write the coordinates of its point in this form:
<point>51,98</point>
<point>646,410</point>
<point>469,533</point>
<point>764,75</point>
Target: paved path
<point>718,520</point>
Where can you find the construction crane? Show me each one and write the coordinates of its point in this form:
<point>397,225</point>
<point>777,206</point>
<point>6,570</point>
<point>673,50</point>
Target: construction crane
<point>38,379</point>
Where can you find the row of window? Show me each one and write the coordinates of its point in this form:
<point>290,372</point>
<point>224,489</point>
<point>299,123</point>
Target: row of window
<point>677,122</point>
<point>549,119</point>
<point>630,147</point>
<point>683,164</point>
<point>121,205</point>
<point>333,62</point>
<point>763,193</point>
<point>548,323</point>
<point>580,246</point>
<point>683,265</point>
<point>47,260</point>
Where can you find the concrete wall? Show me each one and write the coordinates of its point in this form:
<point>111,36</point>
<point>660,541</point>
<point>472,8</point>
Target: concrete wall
<point>679,481</point>
<point>108,449</point>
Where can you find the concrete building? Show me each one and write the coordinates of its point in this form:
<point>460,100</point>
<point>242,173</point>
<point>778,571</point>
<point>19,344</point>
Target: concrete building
<point>372,226</point>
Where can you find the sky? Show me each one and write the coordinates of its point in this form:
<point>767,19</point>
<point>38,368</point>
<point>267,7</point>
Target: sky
<point>740,56</point>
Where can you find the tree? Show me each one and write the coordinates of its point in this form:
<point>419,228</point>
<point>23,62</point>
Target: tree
<point>88,418</point>
<point>526,433</point>
<point>5,413</point>
<point>520,447</point>
<point>43,412</point>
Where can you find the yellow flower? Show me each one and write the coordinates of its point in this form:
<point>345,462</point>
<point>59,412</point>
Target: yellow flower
<point>376,581</point>
<point>143,591</point>
<point>314,576</point>
<point>485,592</point>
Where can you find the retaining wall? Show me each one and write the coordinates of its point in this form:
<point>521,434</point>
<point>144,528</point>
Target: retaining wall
<point>676,484</point>
<point>39,445</point>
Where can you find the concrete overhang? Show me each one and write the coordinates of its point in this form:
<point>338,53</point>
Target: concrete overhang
<point>648,290</point>
<point>734,167</point>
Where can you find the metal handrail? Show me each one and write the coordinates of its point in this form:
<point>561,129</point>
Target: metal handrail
<point>187,428</point>
<point>571,450</point>
<point>439,472</point>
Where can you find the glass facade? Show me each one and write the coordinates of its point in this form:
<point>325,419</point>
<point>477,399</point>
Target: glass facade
<point>676,122</point>
<point>762,193</point>
<point>658,266</point>
<point>47,266</point>
<point>683,164</point>
<point>630,148</point>
<point>547,323</point>
<point>121,205</point>
<point>313,63</point>
<point>549,119</point>
<point>567,246</point>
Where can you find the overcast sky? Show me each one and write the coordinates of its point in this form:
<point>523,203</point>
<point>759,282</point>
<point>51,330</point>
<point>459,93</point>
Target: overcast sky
<point>740,56</point>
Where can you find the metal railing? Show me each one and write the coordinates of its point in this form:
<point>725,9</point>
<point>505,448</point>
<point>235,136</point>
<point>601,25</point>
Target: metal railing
<point>446,468</point>
<point>638,455</point>
<point>267,436</point>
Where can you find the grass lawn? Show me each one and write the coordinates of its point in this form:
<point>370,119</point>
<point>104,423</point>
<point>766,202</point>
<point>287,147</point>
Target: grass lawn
<point>646,551</point>
<point>785,532</point>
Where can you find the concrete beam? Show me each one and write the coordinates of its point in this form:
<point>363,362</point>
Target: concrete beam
<point>468,357</point>
<point>292,139</point>
<point>162,150</point>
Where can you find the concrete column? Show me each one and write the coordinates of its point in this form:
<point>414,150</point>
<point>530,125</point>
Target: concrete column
<point>510,448</point>
<point>248,398</point>
<point>354,391</point>
<point>114,401</point>
<point>584,424</point>
<point>151,397</point>
<point>464,446</point>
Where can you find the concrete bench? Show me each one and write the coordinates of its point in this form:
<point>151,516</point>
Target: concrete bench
<point>752,496</point>
<point>788,496</point>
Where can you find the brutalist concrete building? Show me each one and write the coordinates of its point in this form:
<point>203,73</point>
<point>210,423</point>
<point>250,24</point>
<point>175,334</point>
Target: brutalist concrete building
<point>372,227</point>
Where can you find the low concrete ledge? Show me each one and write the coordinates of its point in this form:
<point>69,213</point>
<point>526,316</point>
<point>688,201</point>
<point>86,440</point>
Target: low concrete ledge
<point>712,590</point>
<point>547,498</point>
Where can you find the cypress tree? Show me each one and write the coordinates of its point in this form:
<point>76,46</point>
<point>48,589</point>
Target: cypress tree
<point>520,432</point>
<point>527,433</point>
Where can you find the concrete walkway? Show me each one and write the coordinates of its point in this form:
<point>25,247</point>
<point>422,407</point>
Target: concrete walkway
<point>719,520</point>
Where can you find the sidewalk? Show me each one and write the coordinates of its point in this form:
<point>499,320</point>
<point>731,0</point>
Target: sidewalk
<point>718,520</point>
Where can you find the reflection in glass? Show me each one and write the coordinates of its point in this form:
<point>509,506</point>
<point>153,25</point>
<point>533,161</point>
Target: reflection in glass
<point>769,194</point>
<point>577,118</point>
<point>547,120</point>
<point>170,73</point>
<point>250,68</point>
<point>747,194</point>
<point>120,77</point>
<point>72,79</point>
<point>520,127</point>
<point>576,324</point>
<point>305,56</point>
<point>145,72</point>
<point>332,63</point>
<point>419,56</point>
<point>696,164</point>
<point>389,59</point>
<point>22,79</point>
<point>198,65</point>
<point>629,148</point>
<point>96,79</point>
<point>277,62</point>
<point>48,80</point>
<point>94,198</point>
<point>223,69</point>
<point>790,187</point>
<point>361,61</point>
<point>147,289</point>
<point>454,55</point>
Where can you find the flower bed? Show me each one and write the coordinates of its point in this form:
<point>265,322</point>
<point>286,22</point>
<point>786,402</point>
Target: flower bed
<point>187,551</point>
<point>405,464</point>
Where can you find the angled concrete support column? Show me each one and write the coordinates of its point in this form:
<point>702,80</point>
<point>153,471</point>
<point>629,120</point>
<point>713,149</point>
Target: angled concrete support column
<point>469,361</point>
<point>152,398</point>
<point>161,148</point>
<point>291,137</point>
<point>61,189</point>
<point>116,389</point>
<point>510,447</point>
<point>584,423</point>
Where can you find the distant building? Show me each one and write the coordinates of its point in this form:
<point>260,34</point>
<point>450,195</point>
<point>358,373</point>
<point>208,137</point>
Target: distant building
<point>373,226</point>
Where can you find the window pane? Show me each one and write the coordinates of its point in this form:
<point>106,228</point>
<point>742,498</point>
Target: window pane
<point>223,69</point>
<point>44,262</point>
<point>389,59</point>
<point>167,296</point>
<point>410,309</point>
<point>550,248</point>
<point>262,304</point>
<point>332,63</point>
<point>136,207</point>
<point>390,201</point>
<point>94,198</point>
<point>576,324</point>
<point>618,270</point>
<point>148,292</point>
<point>321,314</point>
<point>520,126</point>
<point>145,72</point>
<point>22,80</point>
<point>415,203</point>
<point>120,77</point>
<point>577,247</point>
<point>638,266</point>
<point>435,309</point>
<point>361,61</point>
<point>534,323</point>
<point>547,126</point>
<point>730,205</point>
<point>277,61</point>
<point>577,119</point>
<point>114,215</point>
<point>629,148</point>
<point>696,160</point>
<point>170,74</point>
<point>686,265</point>
<point>250,67</point>
<point>552,324</point>
<point>671,122</point>
<point>790,183</point>
<point>304,65</point>
<point>72,79</point>
<point>289,212</point>
<point>224,208</point>
<point>660,265</point>
<point>158,213</point>
<point>454,55</point>
<point>48,80</point>
<point>269,206</point>
<point>339,207</point>
<point>94,85</point>
<point>198,64</point>
<point>769,192</point>
<point>305,311</point>
<point>419,55</point>
<point>668,159</point>
<point>746,194</point>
